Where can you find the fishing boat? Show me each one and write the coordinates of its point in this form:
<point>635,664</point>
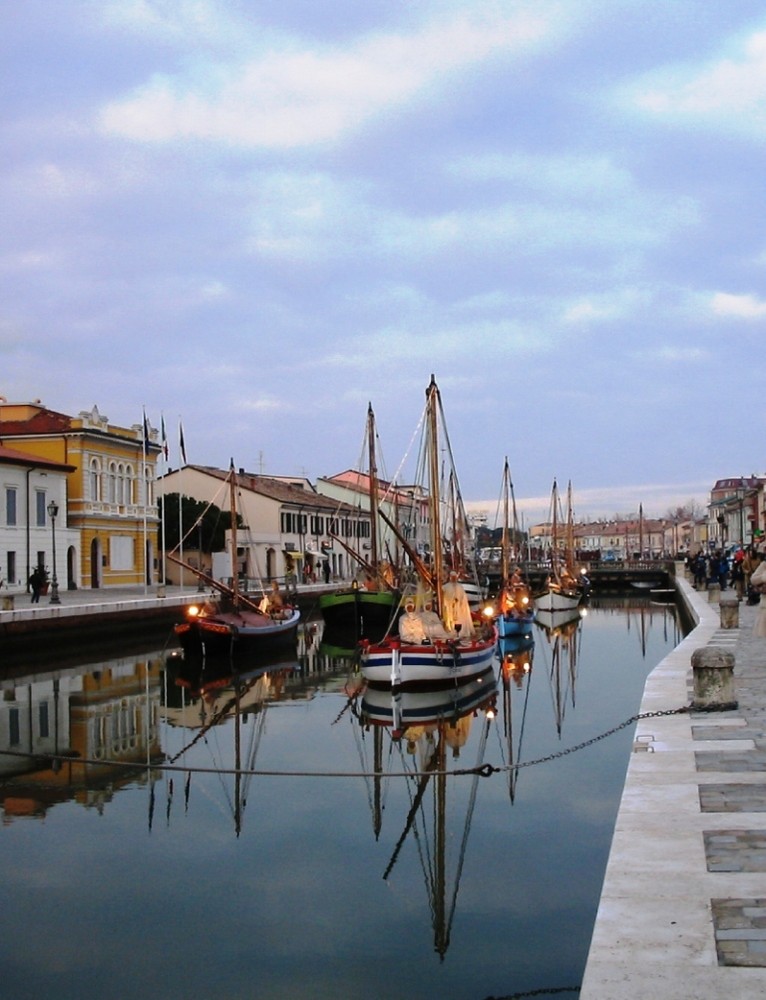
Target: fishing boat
<point>515,610</point>
<point>232,621</point>
<point>439,638</point>
<point>563,591</point>
<point>365,611</point>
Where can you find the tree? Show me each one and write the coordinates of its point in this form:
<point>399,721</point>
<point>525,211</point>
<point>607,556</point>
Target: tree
<point>209,534</point>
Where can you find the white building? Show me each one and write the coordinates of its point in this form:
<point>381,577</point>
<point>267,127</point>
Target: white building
<point>292,530</point>
<point>33,494</point>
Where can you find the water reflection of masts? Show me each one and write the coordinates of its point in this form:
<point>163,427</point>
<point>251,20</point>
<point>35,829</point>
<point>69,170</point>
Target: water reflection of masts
<point>516,667</point>
<point>564,643</point>
<point>434,863</point>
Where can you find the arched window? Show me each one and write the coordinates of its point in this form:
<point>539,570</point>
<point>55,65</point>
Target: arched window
<point>112,484</point>
<point>95,480</point>
<point>121,484</point>
<point>130,494</point>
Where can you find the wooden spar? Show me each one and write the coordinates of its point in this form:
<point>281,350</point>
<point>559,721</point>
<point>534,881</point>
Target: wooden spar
<point>233,514</point>
<point>424,572</point>
<point>355,555</point>
<point>555,534</point>
<point>432,397</point>
<point>212,582</point>
<point>504,541</point>
<point>373,483</point>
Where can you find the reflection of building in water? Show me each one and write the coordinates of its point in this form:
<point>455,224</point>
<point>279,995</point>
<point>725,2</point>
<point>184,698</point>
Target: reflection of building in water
<point>61,734</point>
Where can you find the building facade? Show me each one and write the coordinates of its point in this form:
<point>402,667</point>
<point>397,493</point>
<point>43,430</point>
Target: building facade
<point>110,487</point>
<point>33,519</point>
<point>293,532</point>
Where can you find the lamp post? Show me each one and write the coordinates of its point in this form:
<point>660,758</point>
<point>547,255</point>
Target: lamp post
<point>53,509</point>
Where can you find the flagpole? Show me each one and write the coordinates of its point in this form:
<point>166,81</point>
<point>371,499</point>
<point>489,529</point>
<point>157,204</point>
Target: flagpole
<point>144,436</point>
<point>182,465</point>
<point>164,443</point>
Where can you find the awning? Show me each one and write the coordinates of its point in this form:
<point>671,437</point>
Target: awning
<point>293,554</point>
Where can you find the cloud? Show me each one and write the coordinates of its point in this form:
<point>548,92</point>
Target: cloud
<point>293,96</point>
<point>746,307</point>
<point>729,92</point>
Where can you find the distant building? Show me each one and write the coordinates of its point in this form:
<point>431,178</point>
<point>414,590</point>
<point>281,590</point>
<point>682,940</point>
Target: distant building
<point>292,530</point>
<point>736,511</point>
<point>110,485</point>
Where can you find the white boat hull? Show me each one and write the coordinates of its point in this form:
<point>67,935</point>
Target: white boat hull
<point>557,600</point>
<point>396,663</point>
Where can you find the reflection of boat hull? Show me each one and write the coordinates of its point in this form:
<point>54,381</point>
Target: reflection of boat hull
<point>552,620</point>
<point>508,645</point>
<point>217,632</point>
<point>395,663</point>
<point>358,612</point>
<point>401,708</point>
<point>557,600</point>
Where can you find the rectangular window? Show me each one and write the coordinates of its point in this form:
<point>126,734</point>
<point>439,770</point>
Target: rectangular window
<point>43,719</point>
<point>10,505</point>
<point>317,525</point>
<point>10,564</point>
<point>121,552</point>
<point>40,508</point>
<point>14,732</point>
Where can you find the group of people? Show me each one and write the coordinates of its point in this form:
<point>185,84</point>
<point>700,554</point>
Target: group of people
<point>719,568</point>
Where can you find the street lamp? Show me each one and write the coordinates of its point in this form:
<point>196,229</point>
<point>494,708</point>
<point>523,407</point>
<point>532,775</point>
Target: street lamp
<point>53,509</point>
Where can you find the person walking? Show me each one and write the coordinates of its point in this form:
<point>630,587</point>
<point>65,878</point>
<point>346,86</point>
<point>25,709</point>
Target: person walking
<point>36,584</point>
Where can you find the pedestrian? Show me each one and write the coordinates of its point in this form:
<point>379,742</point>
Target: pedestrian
<point>35,584</point>
<point>738,576</point>
<point>758,582</point>
<point>326,570</point>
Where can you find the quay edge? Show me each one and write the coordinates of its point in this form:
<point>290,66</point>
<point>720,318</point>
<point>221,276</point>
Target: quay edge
<point>654,933</point>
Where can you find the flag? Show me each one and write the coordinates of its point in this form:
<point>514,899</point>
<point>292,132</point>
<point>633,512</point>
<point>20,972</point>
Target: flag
<point>164,437</point>
<point>146,432</point>
<point>181,444</point>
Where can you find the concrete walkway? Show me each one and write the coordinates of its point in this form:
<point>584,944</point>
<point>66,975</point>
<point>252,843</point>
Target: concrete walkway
<point>683,906</point>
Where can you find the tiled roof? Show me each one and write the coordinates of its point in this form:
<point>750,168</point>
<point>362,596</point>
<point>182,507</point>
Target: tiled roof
<point>43,422</point>
<point>277,490</point>
<point>10,456</point>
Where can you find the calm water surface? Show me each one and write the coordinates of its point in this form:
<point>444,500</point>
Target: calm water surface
<point>320,879</point>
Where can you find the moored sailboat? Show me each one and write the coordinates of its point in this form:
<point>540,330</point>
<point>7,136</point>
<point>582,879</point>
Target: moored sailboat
<point>232,621</point>
<point>439,639</point>
<point>562,591</point>
<point>515,608</point>
<point>365,611</point>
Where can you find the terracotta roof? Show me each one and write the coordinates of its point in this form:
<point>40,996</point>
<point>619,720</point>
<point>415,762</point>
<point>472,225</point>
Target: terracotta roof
<point>43,422</point>
<point>10,456</point>
<point>277,490</point>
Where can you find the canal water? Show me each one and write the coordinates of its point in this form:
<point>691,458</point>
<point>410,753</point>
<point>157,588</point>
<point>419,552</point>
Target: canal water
<point>291,835</point>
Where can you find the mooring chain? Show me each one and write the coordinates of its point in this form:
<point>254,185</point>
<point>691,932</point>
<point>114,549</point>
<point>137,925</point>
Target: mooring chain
<point>537,993</point>
<point>486,770</point>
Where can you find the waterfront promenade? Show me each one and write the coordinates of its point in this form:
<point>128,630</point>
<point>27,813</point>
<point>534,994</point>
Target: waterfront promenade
<point>682,914</point>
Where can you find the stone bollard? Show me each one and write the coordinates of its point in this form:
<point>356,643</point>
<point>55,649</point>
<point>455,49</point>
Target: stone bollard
<point>161,592</point>
<point>8,602</point>
<point>729,608</point>
<point>713,670</point>
<point>713,592</point>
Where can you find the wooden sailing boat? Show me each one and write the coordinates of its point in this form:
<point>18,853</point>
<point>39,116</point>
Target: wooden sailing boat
<point>366,611</point>
<point>447,641</point>
<point>562,590</point>
<point>516,610</point>
<point>233,621</point>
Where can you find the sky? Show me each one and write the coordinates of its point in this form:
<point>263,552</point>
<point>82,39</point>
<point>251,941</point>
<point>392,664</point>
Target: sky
<point>253,218</point>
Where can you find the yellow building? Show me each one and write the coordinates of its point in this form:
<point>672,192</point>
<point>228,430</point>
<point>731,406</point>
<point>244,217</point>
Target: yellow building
<point>110,492</point>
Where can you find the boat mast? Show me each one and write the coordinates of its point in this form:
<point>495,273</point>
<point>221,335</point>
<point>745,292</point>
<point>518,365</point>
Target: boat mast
<point>555,533</point>
<point>504,541</point>
<point>432,402</point>
<point>373,480</point>
<point>233,513</point>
